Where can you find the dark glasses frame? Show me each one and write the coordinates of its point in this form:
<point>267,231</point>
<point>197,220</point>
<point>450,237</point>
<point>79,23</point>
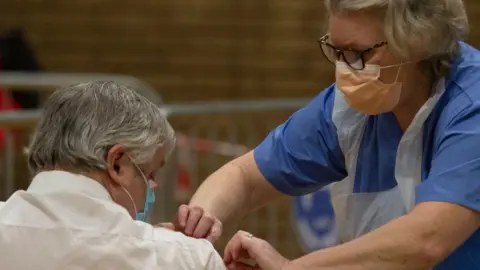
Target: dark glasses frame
<point>323,41</point>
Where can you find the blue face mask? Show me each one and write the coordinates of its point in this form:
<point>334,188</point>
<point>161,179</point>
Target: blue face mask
<point>149,200</point>
<point>150,197</point>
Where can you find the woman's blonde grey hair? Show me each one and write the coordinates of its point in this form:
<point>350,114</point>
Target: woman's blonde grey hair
<point>80,123</point>
<point>417,29</point>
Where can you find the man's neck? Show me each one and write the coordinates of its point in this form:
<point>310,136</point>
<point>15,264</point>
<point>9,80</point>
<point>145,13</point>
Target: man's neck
<point>420,92</point>
<point>99,177</point>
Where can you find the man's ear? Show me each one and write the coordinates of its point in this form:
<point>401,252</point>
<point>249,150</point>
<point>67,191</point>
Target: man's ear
<point>116,160</point>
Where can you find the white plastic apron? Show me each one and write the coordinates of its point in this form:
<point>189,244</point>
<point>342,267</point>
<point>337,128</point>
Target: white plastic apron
<point>359,213</point>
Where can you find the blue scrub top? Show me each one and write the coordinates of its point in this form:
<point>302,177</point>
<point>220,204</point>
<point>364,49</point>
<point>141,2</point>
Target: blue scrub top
<point>302,155</point>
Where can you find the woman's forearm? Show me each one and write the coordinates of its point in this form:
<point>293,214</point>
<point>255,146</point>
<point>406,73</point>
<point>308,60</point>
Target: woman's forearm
<point>418,240</point>
<point>234,190</point>
<point>224,194</point>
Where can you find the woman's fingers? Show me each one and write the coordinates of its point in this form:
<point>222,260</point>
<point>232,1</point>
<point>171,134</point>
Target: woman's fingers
<point>244,244</point>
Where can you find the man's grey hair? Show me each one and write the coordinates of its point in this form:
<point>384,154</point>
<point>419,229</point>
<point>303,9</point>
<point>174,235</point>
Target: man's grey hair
<point>80,123</point>
<point>419,29</point>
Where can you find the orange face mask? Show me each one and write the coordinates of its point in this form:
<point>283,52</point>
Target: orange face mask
<point>364,91</point>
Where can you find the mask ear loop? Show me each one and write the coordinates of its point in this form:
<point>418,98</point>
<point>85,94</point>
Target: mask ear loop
<point>116,168</point>
<point>141,172</point>
<point>128,193</point>
<point>398,73</point>
<point>150,184</point>
<point>131,199</point>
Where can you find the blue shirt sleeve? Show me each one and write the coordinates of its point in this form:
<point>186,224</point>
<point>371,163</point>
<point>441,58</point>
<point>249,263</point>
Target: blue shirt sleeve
<point>455,173</point>
<point>302,155</point>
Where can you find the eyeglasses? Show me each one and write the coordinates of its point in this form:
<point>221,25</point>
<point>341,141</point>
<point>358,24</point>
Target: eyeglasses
<point>353,58</point>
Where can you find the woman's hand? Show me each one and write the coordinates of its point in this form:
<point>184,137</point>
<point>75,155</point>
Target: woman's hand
<point>195,222</point>
<point>244,246</point>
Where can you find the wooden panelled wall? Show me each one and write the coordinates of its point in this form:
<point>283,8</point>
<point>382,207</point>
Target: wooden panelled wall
<point>188,50</point>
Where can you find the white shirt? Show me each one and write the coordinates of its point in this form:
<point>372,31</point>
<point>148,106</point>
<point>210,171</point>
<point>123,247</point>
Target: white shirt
<point>67,221</point>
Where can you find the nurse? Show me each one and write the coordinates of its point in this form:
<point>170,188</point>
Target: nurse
<point>396,139</point>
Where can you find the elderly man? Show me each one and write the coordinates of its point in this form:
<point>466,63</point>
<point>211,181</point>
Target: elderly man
<point>95,154</point>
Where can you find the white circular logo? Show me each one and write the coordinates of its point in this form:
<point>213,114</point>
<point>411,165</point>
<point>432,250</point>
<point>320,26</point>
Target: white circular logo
<point>314,221</point>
